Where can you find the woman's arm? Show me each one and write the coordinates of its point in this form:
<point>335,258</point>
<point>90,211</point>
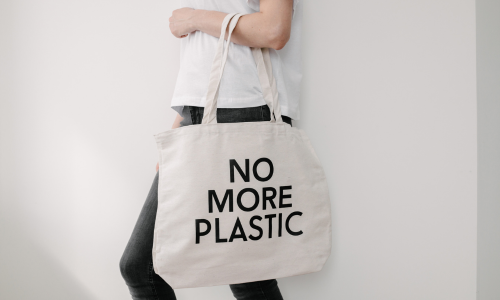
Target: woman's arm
<point>268,28</point>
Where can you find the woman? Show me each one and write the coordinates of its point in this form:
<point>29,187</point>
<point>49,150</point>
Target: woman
<point>272,24</point>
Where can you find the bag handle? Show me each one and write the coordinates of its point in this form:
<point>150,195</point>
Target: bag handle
<point>267,81</point>
<point>264,70</point>
<point>210,112</point>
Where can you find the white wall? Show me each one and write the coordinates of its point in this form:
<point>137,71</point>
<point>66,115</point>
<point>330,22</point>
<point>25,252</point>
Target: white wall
<point>488,88</point>
<point>389,102</point>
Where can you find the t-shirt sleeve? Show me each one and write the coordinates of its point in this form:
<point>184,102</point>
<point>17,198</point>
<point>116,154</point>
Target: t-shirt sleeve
<point>255,5</point>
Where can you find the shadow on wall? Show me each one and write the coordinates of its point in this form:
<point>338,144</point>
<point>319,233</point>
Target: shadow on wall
<point>28,272</point>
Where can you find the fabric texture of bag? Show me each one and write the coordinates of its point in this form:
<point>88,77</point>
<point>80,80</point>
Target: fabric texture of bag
<point>239,202</point>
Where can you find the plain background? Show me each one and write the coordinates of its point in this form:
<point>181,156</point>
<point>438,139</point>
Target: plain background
<point>488,87</point>
<point>389,103</point>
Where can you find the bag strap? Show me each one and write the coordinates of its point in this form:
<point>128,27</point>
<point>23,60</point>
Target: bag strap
<point>264,70</point>
<point>267,82</point>
<point>210,112</point>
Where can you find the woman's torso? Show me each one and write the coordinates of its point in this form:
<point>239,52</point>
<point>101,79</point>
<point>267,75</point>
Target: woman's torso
<point>240,85</point>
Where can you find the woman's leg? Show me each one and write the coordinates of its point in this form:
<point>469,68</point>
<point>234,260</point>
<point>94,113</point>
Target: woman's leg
<point>136,263</point>
<point>259,290</point>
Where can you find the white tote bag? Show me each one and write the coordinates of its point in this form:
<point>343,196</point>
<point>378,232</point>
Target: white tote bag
<point>239,202</point>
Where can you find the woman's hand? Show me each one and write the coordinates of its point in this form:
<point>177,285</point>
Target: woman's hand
<point>182,22</point>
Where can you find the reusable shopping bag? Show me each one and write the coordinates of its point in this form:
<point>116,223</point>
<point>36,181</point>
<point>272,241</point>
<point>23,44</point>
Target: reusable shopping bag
<point>239,202</point>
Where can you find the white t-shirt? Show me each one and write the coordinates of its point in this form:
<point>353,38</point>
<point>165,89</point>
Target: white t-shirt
<point>240,85</point>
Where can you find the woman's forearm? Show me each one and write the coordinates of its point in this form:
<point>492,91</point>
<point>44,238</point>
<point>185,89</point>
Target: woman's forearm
<point>253,30</point>
<point>270,27</point>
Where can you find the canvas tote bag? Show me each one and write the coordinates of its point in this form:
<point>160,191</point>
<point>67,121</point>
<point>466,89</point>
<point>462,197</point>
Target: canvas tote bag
<point>239,202</point>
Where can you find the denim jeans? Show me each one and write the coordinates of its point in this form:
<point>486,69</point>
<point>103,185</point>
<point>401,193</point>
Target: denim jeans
<point>136,263</point>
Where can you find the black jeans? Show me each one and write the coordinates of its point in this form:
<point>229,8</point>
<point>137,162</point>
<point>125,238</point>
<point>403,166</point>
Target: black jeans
<point>136,263</point>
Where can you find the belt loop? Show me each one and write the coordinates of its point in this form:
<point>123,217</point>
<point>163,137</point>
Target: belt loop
<point>199,115</point>
<point>192,115</point>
